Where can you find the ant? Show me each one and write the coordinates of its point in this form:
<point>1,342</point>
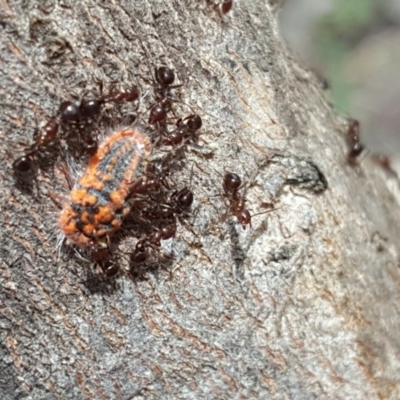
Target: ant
<point>153,242</point>
<point>222,7</point>
<point>384,162</point>
<point>185,130</point>
<point>25,167</point>
<point>47,136</point>
<point>153,182</point>
<point>353,140</point>
<point>165,77</point>
<point>232,183</point>
<point>87,109</point>
<point>102,257</point>
<point>226,6</point>
<point>179,203</point>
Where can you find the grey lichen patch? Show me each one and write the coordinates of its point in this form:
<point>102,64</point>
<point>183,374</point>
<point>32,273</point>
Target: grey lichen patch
<point>283,252</point>
<point>56,47</point>
<point>302,172</point>
<point>44,34</point>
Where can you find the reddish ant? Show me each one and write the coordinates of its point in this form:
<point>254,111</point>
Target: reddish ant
<point>87,109</point>
<point>232,183</point>
<point>179,203</point>
<point>226,6</point>
<point>154,180</point>
<point>185,130</point>
<point>153,242</point>
<point>102,257</point>
<point>384,162</point>
<point>222,7</point>
<point>25,167</point>
<point>165,77</point>
<point>353,141</point>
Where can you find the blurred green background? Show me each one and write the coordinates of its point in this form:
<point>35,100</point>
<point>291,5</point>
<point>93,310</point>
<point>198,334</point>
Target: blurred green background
<point>355,44</point>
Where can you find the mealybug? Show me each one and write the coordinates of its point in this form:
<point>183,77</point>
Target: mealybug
<point>99,201</point>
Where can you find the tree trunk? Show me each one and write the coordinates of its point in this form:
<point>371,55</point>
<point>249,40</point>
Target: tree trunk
<point>304,304</point>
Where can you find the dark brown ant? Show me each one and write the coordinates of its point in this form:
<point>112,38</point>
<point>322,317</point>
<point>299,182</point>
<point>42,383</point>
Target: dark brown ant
<point>226,6</point>
<point>384,162</point>
<point>87,109</point>
<point>185,130</point>
<point>69,111</point>
<point>158,114</point>
<point>91,146</point>
<point>109,269</point>
<point>182,200</point>
<point>25,167</point>
<point>232,183</point>
<point>193,122</point>
<point>178,205</point>
<point>128,95</point>
<point>165,77</point>
<point>353,140</point>
<point>47,135</point>
<point>154,180</point>
<point>153,242</point>
<point>103,257</point>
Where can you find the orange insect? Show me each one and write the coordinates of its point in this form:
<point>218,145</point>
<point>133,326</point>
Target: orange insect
<point>99,200</point>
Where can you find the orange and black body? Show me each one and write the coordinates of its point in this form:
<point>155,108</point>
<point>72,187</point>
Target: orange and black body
<point>98,202</point>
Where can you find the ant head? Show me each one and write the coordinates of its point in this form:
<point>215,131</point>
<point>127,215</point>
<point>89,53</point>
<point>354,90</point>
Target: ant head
<point>193,122</point>
<point>69,111</point>
<point>165,76</point>
<point>232,182</point>
<point>184,198</point>
<point>24,169</point>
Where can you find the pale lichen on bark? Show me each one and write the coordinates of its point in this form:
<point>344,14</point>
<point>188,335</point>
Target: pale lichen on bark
<point>302,305</point>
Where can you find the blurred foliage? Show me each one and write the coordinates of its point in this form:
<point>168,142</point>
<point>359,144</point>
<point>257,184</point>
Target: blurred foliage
<point>337,34</point>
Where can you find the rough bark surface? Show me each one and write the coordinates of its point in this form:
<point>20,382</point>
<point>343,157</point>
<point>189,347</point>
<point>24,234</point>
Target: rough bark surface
<point>303,305</point>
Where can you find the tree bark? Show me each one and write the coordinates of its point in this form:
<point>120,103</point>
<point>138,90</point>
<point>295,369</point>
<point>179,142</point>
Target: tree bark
<point>302,305</point>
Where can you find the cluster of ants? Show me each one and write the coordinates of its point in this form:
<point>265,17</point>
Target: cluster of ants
<point>25,168</point>
<point>155,201</point>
